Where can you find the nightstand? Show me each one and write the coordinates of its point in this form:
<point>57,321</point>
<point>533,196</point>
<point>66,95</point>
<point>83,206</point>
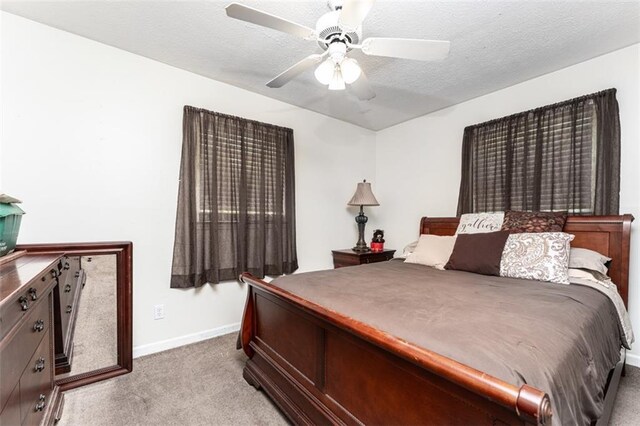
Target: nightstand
<point>349,257</point>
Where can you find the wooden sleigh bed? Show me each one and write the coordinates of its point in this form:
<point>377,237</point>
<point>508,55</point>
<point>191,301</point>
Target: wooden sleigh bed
<point>322,367</point>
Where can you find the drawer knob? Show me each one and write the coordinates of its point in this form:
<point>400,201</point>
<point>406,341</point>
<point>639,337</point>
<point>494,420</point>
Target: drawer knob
<point>33,293</point>
<point>38,326</point>
<point>77,274</point>
<point>24,303</point>
<point>66,265</point>
<point>41,402</point>
<point>67,288</point>
<point>39,365</point>
<point>54,273</point>
<point>69,309</point>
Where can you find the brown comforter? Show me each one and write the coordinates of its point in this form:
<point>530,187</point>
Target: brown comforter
<point>562,339</point>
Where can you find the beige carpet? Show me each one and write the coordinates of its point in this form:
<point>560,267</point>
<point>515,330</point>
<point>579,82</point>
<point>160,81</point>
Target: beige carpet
<point>199,384</point>
<point>202,384</point>
<point>626,410</point>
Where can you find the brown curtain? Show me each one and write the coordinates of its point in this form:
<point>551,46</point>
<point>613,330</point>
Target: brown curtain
<point>561,157</point>
<point>236,202</point>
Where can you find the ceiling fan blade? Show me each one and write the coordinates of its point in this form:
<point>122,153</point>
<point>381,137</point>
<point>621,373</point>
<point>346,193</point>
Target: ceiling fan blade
<point>353,13</point>
<point>407,48</point>
<point>293,71</point>
<point>362,88</point>
<point>258,17</point>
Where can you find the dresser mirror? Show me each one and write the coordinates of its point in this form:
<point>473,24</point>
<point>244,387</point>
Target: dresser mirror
<point>89,316</point>
<point>92,313</point>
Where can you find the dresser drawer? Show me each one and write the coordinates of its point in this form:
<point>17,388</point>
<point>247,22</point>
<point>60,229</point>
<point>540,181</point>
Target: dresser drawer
<point>15,353</point>
<point>12,312</point>
<point>35,384</point>
<point>67,308</point>
<point>69,287</point>
<point>10,414</point>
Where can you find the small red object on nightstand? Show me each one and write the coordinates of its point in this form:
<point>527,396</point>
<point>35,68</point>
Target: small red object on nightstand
<point>377,242</point>
<point>377,247</point>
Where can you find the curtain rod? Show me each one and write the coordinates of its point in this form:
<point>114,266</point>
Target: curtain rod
<point>234,117</point>
<point>556,105</point>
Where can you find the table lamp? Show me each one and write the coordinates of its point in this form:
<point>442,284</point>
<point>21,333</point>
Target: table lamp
<point>362,197</point>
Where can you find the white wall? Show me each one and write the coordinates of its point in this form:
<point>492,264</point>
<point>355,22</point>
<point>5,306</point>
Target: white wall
<point>418,162</point>
<point>91,142</point>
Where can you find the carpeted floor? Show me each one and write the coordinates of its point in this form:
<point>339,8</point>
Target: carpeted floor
<point>202,384</point>
<point>626,410</point>
<point>199,384</point>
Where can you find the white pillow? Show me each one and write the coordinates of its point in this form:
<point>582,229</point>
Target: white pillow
<point>432,250</point>
<point>586,275</point>
<point>542,256</point>
<point>409,248</point>
<point>475,223</point>
<point>588,259</point>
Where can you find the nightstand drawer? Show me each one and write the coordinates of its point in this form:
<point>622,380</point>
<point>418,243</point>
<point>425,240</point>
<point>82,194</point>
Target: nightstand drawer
<point>379,257</point>
<point>342,258</point>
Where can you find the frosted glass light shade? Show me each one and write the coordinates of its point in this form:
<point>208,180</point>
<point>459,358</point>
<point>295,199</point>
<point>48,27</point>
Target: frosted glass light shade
<point>324,72</point>
<point>337,82</point>
<point>350,70</point>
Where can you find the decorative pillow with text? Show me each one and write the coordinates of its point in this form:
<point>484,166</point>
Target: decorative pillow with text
<point>475,223</point>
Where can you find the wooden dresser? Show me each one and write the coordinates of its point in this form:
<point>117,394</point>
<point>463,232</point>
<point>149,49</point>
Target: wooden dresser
<point>27,392</point>
<point>66,300</point>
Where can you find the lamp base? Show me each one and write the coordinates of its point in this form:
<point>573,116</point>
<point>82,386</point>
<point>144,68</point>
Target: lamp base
<point>361,220</point>
<point>361,249</point>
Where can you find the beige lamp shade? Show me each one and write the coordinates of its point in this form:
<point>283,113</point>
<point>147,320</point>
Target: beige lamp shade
<point>363,196</point>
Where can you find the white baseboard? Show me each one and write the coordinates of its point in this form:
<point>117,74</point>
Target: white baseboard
<point>633,359</point>
<point>164,345</point>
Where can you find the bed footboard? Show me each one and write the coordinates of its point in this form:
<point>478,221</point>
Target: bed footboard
<point>321,367</point>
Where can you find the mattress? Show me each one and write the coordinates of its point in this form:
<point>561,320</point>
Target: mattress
<point>561,339</point>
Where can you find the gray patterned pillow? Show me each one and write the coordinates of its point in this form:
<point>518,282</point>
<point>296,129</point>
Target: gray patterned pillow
<point>542,256</point>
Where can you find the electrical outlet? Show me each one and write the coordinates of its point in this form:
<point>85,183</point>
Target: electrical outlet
<point>158,312</point>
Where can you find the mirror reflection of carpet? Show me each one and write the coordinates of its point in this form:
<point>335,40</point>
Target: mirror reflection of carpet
<point>95,339</point>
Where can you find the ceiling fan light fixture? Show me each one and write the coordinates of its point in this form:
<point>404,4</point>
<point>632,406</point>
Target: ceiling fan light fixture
<point>338,32</point>
<point>350,70</point>
<point>337,51</point>
<point>324,72</point>
<point>337,82</point>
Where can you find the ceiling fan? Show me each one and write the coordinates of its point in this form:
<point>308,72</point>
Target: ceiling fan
<point>338,32</point>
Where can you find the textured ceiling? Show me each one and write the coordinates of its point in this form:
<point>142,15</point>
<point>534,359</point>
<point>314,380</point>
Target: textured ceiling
<point>493,45</point>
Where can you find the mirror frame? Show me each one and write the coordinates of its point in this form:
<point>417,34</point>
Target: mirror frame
<point>123,250</point>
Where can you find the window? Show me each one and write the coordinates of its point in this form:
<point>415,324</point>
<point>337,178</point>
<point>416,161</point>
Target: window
<point>236,200</point>
<point>232,155</point>
<point>554,158</point>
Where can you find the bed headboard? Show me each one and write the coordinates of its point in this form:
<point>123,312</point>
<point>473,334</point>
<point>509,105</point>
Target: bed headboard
<point>609,235</point>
